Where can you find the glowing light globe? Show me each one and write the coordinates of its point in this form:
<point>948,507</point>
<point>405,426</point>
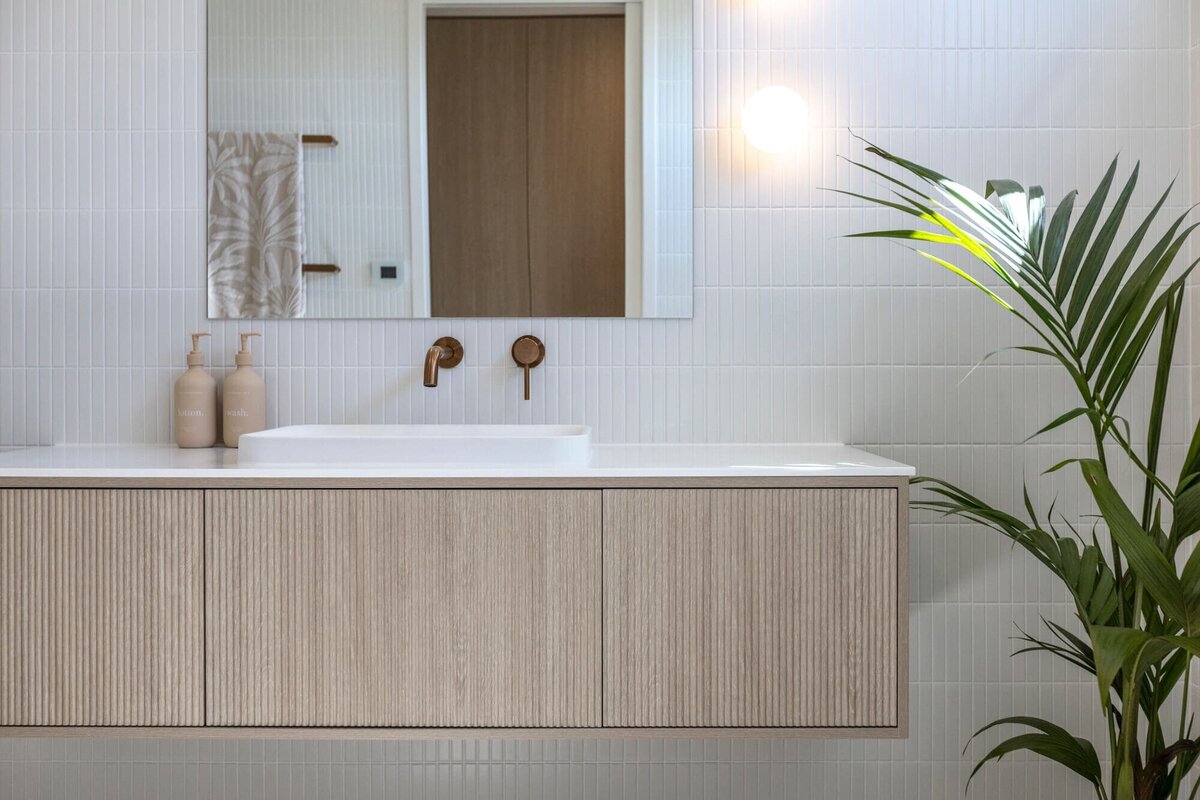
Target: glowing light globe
<point>774,119</point>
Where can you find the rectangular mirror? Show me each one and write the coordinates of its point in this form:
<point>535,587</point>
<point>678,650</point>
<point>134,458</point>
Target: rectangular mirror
<point>444,158</point>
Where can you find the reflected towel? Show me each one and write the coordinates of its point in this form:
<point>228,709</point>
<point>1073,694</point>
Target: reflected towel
<point>255,225</point>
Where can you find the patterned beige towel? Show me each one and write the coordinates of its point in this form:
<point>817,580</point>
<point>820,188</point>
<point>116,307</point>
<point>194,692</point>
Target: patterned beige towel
<point>255,225</point>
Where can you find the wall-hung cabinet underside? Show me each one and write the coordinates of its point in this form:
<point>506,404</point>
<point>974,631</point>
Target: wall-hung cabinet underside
<point>778,608</point>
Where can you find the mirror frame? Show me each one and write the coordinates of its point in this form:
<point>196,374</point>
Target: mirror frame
<point>640,170</point>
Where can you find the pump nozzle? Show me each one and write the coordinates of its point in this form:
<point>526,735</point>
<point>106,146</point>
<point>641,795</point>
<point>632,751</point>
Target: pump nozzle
<point>244,358</point>
<point>196,358</point>
<point>245,342</point>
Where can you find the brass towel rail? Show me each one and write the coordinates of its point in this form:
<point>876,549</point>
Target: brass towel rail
<point>318,140</point>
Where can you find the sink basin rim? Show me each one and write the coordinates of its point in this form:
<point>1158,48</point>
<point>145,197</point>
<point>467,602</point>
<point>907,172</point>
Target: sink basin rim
<point>412,445</point>
<point>423,431</point>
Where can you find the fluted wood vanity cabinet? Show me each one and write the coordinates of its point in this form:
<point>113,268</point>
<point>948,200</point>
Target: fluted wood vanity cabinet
<point>710,605</point>
<point>101,607</point>
<point>404,608</point>
<point>750,608</point>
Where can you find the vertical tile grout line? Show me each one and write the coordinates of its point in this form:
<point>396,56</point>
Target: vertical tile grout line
<point>204,608</point>
<point>602,614</point>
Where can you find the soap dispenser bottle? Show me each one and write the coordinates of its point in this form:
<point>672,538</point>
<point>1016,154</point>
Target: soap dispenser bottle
<point>245,397</point>
<point>196,402</point>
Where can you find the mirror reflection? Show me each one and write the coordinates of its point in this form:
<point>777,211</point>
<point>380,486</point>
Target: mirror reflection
<point>383,158</point>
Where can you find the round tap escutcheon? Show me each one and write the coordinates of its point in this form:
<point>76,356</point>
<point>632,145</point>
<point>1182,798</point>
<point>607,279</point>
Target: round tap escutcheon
<point>528,351</point>
<point>452,352</point>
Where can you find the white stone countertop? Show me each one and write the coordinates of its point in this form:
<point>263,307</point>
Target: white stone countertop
<point>607,461</point>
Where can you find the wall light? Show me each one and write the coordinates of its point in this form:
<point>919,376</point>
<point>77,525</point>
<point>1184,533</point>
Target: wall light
<point>774,119</point>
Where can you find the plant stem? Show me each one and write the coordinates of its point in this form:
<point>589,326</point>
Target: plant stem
<point>1129,729</point>
<point>1112,741</point>
<point>1122,750</point>
<point>1183,714</point>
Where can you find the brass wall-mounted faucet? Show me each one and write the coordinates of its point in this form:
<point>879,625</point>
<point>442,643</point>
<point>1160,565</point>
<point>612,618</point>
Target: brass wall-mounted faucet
<point>528,352</point>
<point>446,353</point>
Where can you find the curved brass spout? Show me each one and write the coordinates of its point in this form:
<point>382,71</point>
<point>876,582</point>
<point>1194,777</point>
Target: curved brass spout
<point>446,352</point>
<point>431,366</point>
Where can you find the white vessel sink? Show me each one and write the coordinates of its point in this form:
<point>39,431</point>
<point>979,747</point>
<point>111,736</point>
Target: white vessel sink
<point>419,445</point>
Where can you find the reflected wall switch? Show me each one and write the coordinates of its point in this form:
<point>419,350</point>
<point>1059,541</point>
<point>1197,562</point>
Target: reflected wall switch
<point>387,273</point>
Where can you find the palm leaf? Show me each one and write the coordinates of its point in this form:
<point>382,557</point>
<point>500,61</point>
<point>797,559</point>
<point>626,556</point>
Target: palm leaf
<point>1132,651</point>
<point>1113,382</point>
<point>1037,220</point>
<point>1097,254</point>
<point>1103,298</point>
<point>1082,234</point>
<point>1085,573</point>
<point>997,232</point>
<point>1133,299</point>
<point>1056,237</point>
<point>1051,741</point>
<point>1058,422</point>
<point>1014,201</point>
<point>1066,652</point>
<point>1145,559</point>
<point>1186,519</point>
<point>962,274</point>
<point>1158,400</point>
<point>1117,371</point>
<point>960,197</point>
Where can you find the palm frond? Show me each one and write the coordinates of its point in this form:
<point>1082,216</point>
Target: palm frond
<point>1096,315</point>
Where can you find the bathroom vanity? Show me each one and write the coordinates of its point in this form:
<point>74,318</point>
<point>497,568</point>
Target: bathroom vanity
<point>695,588</point>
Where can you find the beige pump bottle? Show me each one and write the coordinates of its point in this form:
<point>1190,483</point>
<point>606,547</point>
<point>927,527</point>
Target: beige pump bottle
<point>196,402</point>
<point>245,398</point>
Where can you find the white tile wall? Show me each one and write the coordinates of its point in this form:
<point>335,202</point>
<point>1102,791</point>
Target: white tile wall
<point>673,194</point>
<point>1195,188</point>
<point>1194,305</point>
<point>797,335</point>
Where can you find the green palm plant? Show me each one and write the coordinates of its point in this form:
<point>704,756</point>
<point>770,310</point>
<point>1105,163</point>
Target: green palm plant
<point>1094,308</point>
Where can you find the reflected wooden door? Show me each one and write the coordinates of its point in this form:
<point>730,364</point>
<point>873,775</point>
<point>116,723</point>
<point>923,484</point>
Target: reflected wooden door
<point>478,167</point>
<point>526,128</point>
<point>577,166</point>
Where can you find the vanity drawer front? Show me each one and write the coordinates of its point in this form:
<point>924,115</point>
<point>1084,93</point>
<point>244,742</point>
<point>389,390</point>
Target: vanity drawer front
<point>403,608</point>
<point>751,608</point>
<point>101,604</point>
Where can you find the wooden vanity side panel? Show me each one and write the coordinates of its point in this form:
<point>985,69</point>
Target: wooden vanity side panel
<point>101,607</point>
<point>751,608</point>
<point>439,608</point>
